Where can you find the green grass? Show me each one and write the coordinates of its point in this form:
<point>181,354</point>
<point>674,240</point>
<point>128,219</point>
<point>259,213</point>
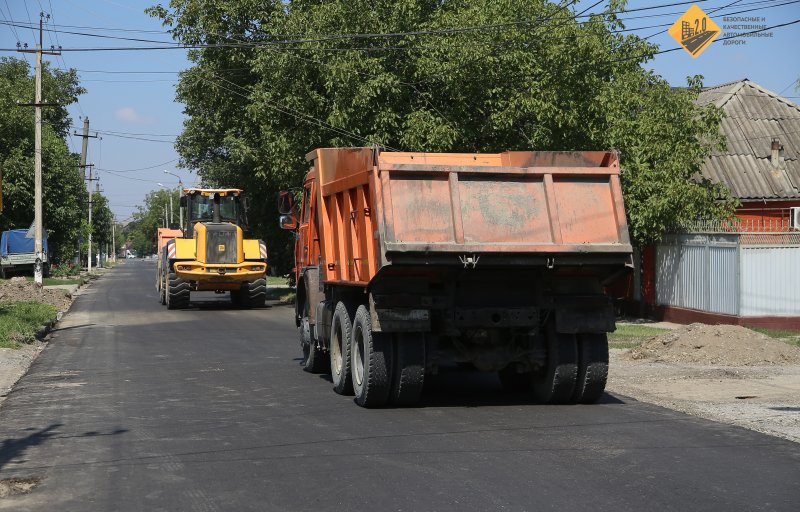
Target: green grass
<point>275,280</point>
<point>19,321</point>
<point>50,281</point>
<point>786,335</point>
<point>632,335</point>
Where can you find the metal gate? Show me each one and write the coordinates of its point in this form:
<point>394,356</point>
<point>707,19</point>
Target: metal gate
<point>737,274</point>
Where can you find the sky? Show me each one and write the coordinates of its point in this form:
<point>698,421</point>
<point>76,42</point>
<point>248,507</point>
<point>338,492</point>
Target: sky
<point>131,94</point>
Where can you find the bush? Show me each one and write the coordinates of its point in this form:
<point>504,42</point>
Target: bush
<point>64,270</point>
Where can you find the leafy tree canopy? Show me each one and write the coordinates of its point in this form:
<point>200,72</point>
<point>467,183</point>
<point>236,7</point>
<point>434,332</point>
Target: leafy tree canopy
<point>426,75</point>
<point>63,190</point>
<point>141,232</point>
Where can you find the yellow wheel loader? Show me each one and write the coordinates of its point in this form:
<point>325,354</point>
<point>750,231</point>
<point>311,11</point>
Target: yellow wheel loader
<point>212,254</point>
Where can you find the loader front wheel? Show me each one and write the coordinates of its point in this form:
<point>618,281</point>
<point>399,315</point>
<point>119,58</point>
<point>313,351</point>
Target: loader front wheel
<point>254,294</point>
<point>555,383</point>
<point>341,329</point>
<point>177,292</point>
<point>372,362</point>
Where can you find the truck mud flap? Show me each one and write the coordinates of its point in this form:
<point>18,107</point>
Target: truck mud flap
<point>401,320</point>
<point>598,318</point>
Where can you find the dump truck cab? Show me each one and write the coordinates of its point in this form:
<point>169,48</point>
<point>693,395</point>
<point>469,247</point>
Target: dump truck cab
<point>213,254</point>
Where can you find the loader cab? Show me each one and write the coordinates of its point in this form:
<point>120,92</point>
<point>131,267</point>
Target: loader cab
<point>214,205</point>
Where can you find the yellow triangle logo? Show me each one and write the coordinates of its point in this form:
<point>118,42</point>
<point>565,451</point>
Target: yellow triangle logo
<point>694,30</point>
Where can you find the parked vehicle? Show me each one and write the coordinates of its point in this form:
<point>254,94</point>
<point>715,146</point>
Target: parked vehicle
<point>408,261</point>
<point>212,253</point>
<point>18,253</point>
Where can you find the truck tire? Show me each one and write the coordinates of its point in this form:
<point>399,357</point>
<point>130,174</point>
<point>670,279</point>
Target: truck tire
<point>162,290</point>
<point>555,383</point>
<point>514,381</point>
<point>177,292</point>
<point>592,368</point>
<point>372,362</point>
<point>341,332</point>
<point>408,373</point>
<point>314,358</point>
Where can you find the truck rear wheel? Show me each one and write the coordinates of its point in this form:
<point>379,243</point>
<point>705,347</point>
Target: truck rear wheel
<point>341,331</point>
<point>408,373</point>
<point>555,383</point>
<point>372,362</point>
<point>177,292</point>
<point>314,360</point>
<point>592,368</point>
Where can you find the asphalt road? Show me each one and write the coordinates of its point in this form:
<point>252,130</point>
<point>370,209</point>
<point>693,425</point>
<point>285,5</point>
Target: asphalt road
<point>133,407</point>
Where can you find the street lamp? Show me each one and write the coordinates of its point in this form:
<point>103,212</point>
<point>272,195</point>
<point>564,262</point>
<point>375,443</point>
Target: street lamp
<point>180,184</point>
<point>170,202</point>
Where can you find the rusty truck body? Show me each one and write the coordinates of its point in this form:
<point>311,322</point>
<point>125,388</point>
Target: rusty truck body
<point>408,261</point>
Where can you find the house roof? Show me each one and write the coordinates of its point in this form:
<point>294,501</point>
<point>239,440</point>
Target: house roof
<point>754,116</point>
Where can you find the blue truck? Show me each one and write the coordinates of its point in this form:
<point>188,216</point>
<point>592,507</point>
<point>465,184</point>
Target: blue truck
<point>17,252</point>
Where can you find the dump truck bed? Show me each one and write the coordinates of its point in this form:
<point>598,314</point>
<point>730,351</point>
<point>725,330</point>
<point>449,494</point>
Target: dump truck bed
<point>394,208</point>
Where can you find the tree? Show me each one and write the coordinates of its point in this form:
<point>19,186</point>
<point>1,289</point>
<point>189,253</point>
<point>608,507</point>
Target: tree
<point>63,192</point>
<point>142,230</point>
<point>463,75</point>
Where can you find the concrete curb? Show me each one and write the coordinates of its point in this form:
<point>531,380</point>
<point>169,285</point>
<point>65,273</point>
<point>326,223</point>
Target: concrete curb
<point>45,329</point>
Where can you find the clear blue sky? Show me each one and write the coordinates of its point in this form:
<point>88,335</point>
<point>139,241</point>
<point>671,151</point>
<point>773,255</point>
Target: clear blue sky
<point>143,103</point>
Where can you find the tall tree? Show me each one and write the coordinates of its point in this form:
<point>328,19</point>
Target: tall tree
<point>425,75</point>
<point>63,190</point>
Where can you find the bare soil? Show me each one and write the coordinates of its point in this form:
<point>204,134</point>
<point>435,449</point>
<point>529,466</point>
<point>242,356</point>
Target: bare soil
<point>19,289</point>
<point>719,345</point>
<point>719,372</point>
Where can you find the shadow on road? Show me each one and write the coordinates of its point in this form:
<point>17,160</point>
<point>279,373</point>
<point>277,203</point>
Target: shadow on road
<point>13,448</point>
<point>454,387</point>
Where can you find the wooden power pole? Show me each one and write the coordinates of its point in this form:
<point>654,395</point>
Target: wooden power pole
<point>38,104</point>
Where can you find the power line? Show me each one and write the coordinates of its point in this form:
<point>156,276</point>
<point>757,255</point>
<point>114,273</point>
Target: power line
<point>142,168</point>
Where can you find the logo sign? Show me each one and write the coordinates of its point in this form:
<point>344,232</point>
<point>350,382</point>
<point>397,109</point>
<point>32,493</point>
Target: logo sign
<point>694,31</point>
<point>220,248</point>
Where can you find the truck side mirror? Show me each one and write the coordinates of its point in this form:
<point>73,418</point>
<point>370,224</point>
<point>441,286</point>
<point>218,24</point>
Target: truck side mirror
<point>285,203</point>
<point>288,222</point>
<point>183,201</point>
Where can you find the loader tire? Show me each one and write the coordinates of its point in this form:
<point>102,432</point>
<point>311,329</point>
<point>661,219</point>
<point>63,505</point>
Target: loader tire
<point>177,292</point>
<point>514,381</point>
<point>555,383</point>
<point>254,294</point>
<point>408,373</point>
<point>372,362</point>
<point>341,332</point>
<point>314,358</point>
<point>592,368</point>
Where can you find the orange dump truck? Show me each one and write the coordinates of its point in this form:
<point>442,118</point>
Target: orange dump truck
<point>409,261</point>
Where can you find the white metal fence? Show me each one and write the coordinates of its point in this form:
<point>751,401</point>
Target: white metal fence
<point>730,273</point>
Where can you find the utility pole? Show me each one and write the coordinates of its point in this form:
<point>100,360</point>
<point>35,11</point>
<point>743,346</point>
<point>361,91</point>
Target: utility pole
<point>84,152</point>
<point>89,259</point>
<point>114,238</point>
<point>37,202</point>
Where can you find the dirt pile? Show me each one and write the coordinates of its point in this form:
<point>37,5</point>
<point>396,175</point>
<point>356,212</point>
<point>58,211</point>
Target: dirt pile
<point>722,345</point>
<point>19,289</point>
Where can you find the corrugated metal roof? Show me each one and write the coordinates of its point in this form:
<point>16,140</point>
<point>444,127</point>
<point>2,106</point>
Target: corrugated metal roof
<point>754,117</point>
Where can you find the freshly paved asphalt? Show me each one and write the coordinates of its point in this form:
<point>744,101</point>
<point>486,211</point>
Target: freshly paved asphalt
<point>133,407</point>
